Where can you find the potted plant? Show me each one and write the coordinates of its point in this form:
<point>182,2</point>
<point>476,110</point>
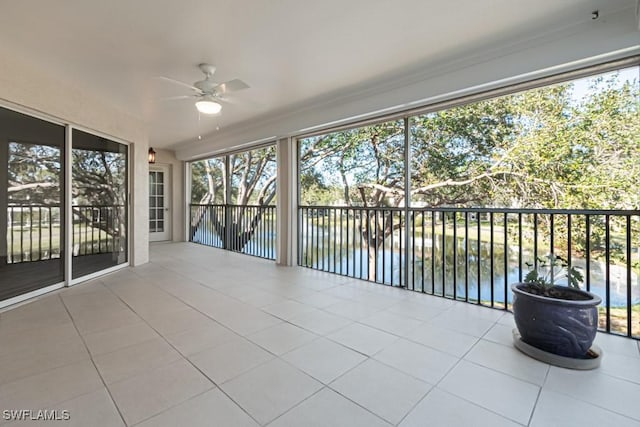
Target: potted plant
<point>562,320</point>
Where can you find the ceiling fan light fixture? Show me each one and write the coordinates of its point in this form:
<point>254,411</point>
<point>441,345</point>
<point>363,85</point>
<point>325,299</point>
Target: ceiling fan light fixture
<point>208,106</point>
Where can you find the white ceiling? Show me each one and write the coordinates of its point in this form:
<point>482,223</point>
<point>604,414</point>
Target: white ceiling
<point>291,52</point>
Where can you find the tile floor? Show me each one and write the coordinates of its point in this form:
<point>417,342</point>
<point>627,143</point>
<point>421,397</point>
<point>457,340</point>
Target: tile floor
<point>203,337</point>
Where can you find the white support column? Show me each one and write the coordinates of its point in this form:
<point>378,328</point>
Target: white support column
<point>186,200</point>
<point>286,203</point>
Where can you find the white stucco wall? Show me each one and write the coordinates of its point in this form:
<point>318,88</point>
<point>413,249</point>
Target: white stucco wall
<point>29,89</point>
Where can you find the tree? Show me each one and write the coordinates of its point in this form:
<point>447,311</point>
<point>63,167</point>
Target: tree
<point>368,163</point>
<point>542,148</point>
<point>251,181</point>
<point>34,174</point>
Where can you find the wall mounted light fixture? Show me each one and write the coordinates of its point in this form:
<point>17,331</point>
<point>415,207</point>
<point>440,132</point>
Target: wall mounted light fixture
<point>152,156</point>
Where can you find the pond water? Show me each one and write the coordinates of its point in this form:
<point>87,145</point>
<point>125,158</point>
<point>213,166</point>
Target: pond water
<point>353,261</point>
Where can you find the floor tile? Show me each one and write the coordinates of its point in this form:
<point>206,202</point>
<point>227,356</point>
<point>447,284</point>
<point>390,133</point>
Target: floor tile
<point>392,323</point>
<point>320,322</point>
<point>623,367</point>
<point>477,311</point>
<point>375,300</point>
<point>101,320</point>
<point>323,359</point>
<point>211,408</point>
<point>597,388</point>
<point>421,362</point>
<point>508,360</point>
<point>207,334</point>
<point>413,340</point>
<point>352,310</point>
<point>38,359</point>
<point>247,320</point>
<point>507,320</point>
<point>135,359</point>
<point>23,341</point>
<point>415,310</point>
<point>227,361</point>
<point>381,389</point>
<point>451,342</point>
<point>440,408</point>
<point>288,309</point>
<point>362,338</point>
<point>281,338</point>
<point>497,392</point>
<point>319,299</point>
<point>464,323</point>
<point>94,409</point>
<point>501,334</point>
<point>619,345</point>
<point>176,322</point>
<point>117,338</point>
<point>328,408</point>
<point>557,409</point>
<point>142,396</point>
<point>261,298</point>
<point>52,387</point>
<point>269,390</point>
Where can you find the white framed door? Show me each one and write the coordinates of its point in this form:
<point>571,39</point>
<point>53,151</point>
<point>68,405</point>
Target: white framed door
<point>159,203</point>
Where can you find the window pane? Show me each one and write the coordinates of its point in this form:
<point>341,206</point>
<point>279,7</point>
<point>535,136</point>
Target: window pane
<point>253,177</point>
<point>354,167</point>
<point>207,181</point>
<point>552,147</point>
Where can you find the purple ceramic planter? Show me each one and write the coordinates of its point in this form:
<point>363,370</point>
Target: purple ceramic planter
<point>559,326</point>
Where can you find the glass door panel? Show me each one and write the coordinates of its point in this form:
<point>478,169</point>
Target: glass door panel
<point>31,198</point>
<point>99,200</point>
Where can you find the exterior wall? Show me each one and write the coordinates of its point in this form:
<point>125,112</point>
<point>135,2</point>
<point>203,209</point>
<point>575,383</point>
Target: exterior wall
<point>30,89</point>
<point>178,201</point>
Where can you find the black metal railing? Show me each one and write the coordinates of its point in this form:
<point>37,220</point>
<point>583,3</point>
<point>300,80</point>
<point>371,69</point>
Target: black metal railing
<point>250,230</point>
<point>475,254</point>
<point>35,232</point>
<point>97,228</point>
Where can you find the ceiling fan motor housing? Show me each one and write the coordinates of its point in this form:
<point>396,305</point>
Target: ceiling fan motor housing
<point>207,86</point>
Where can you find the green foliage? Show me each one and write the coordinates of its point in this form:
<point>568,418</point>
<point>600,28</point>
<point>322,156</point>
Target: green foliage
<point>34,174</point>
<point>572,145</point>
<point>549,270</point>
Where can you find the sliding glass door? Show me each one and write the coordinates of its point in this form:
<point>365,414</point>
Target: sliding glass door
<point>31,204</point>
<point>99,199</point>
<point>35,211</point>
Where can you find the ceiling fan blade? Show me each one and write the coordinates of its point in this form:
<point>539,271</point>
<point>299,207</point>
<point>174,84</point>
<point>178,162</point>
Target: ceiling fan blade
<point>231,86</point>
<point>173,98</point>
<point>178,82</point>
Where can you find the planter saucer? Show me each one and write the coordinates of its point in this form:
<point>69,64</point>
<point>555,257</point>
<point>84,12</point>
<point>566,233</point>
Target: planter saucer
<point>556,360</point>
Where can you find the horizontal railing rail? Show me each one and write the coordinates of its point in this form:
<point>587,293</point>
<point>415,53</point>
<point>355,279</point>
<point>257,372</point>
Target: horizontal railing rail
<point>475,254</point>
<point>247,229</point>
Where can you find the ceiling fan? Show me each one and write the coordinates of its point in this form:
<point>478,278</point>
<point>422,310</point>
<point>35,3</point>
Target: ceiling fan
<point>208,93</point>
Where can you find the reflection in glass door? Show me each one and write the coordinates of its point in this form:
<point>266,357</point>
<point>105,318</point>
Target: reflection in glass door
<point>159,223</point>
<point>31,201</point>
<point>99,200</point>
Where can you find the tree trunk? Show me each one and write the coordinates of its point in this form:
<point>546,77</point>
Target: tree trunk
<point>372,251</point>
